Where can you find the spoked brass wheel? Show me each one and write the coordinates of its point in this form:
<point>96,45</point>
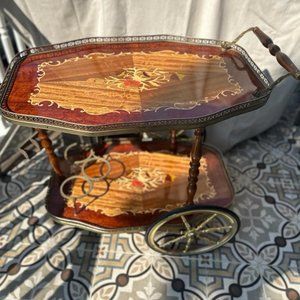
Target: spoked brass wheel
<point>192,230</point>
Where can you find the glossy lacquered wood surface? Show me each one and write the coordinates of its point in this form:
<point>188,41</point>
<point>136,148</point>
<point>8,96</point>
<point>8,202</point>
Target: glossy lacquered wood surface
<point>127,83</point>
<point>121,207</point>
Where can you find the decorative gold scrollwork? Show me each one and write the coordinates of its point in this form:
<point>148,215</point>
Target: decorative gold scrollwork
<point>92,158</point>
<point>104,172</point>
<point>71,178</point>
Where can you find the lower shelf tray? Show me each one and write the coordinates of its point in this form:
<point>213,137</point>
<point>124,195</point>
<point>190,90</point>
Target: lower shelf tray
<point>143,184</point>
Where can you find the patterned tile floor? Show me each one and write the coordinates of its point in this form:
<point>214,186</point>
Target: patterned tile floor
<point>42,260</point>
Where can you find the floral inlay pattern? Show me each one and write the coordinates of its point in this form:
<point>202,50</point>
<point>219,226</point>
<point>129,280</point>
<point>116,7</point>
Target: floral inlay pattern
<point>143,179</point>
<point>142,78</point>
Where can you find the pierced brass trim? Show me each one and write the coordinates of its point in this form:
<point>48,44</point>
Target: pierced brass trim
<point>90,130</point>
<point>95,228</point>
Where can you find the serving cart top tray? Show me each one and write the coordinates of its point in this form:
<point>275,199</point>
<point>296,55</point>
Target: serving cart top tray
<point>116,85</point>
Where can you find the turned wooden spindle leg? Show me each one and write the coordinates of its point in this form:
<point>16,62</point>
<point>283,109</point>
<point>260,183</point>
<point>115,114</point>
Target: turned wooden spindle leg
<point>196,154</point>
<point>173,141</point>
<point>47,145</point>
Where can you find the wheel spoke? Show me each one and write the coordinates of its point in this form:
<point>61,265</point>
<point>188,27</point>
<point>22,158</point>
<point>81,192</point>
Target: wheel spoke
<point>165,236</point>
<point>173,241</point>
<point>208,239</point>
<point>188,244</point>
<point>186,223</point>
<point>213,229</point>
<point>200,226</point>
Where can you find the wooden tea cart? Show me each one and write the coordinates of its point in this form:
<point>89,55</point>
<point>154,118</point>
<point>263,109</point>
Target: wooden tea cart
<point>123,85</point>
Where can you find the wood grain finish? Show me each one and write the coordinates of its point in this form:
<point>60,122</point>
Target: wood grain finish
<point>173,193</point>
<point>47,145</point>
<point>133,82</point>
<point>199,81</point>
<point>196,154</point>
<point>173,141</point>
<point>275,50</point>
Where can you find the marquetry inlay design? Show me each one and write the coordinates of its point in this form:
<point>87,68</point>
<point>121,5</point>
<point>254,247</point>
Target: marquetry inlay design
<point>100,83</point>
<point>151,182</point>
<point>141,78</point>
<point>143,179</point>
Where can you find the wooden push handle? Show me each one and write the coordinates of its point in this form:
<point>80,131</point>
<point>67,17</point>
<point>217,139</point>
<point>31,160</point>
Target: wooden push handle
<point>282,58</point>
